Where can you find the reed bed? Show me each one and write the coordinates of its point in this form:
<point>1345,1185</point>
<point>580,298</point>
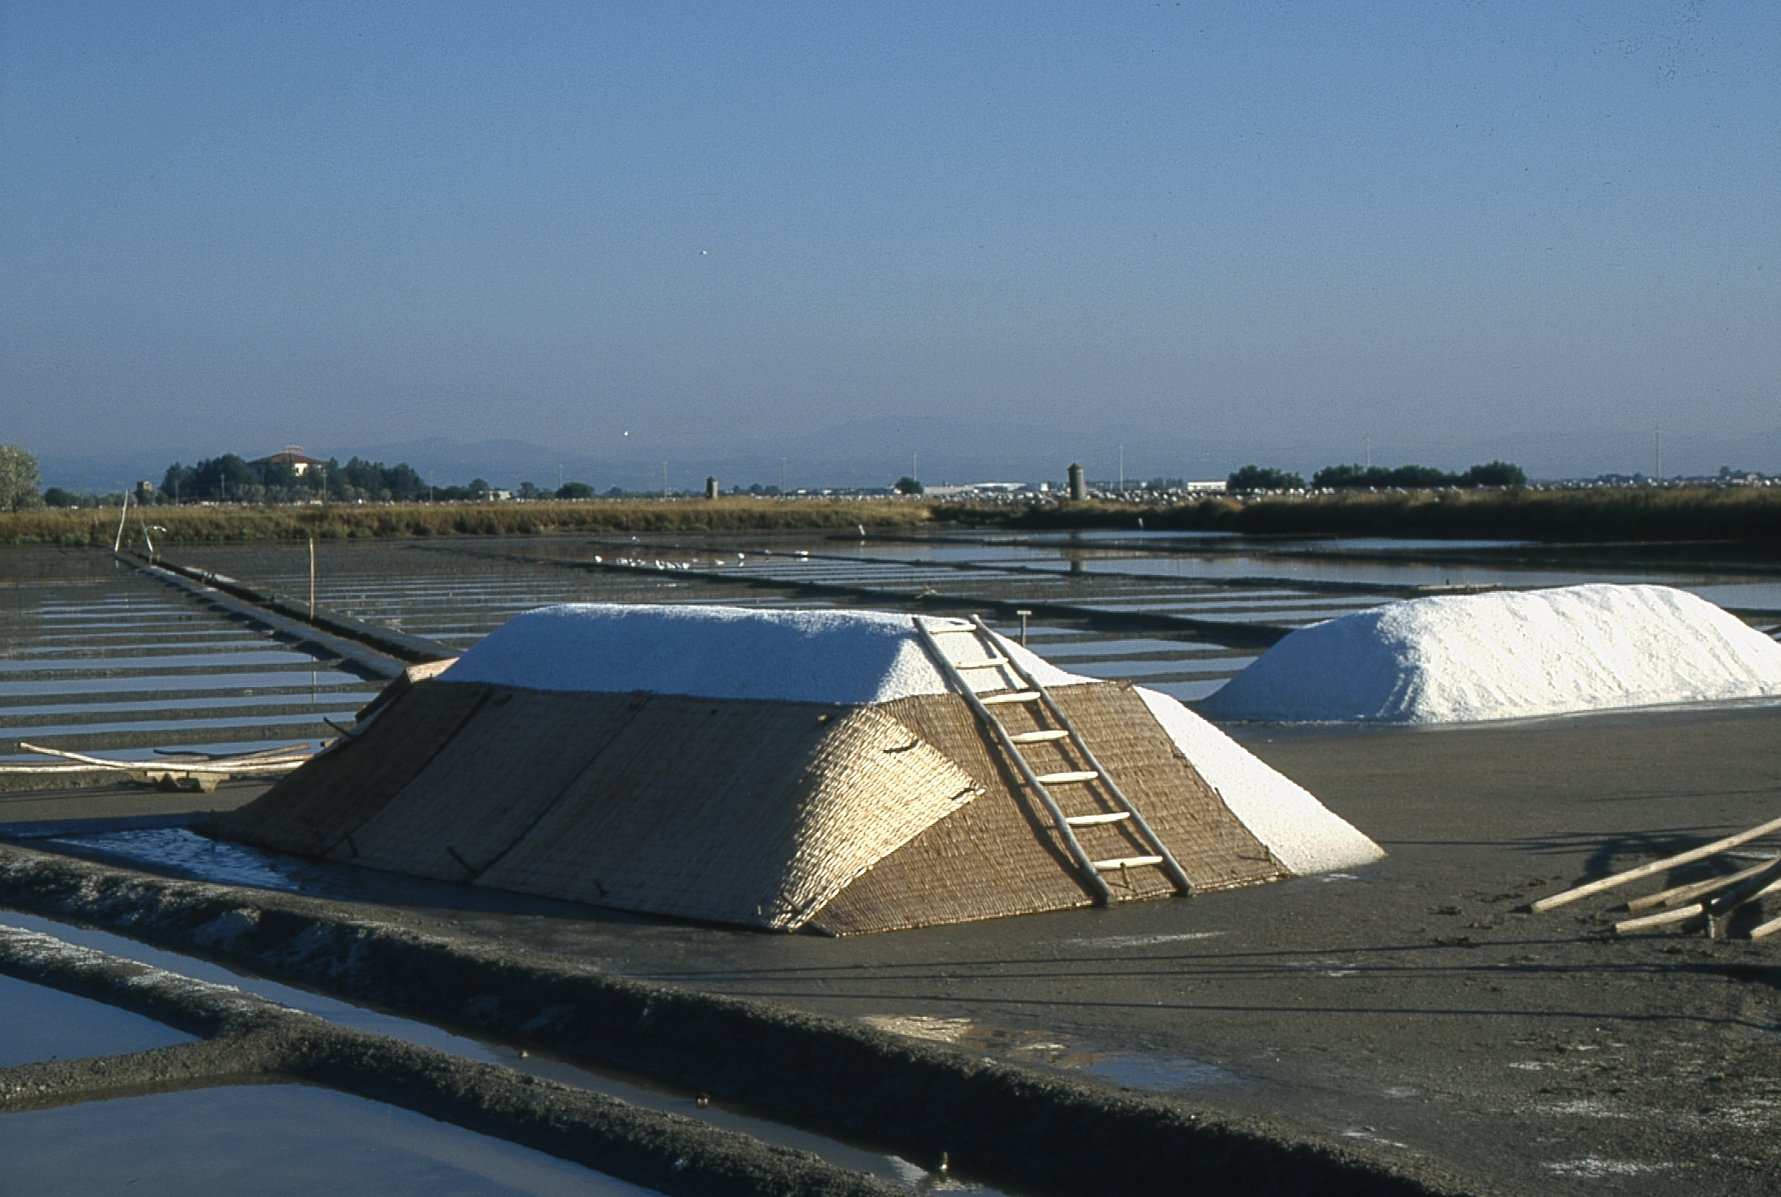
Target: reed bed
<point>233,524</point>
<point>1619,514</point>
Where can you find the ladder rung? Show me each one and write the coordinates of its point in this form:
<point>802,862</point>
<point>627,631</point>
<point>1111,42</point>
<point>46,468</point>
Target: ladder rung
<point>1127,862</point>
<point>990,700</point>
<point>1067,777</point>
<point>1038,737</point>
<point>1091,820</point>
<point>984,664</point>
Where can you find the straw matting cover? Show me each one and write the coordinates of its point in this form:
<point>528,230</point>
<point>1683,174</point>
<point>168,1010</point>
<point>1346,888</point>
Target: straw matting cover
<point>489,785</point>
<point>1001,855</point>
<point>309,811</point>
<point>732,811</point>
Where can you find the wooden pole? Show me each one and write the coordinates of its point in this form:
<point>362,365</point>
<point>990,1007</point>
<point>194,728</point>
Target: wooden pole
<point>1681,914</point>
<point>1657,866</point>
<point>1764,881</point>
<point>1762,930</point>
<point>122,515</point>
<point>1677,895</point>
<point>1740,889</point>
<point>312,577</point>
<point>261,765</point>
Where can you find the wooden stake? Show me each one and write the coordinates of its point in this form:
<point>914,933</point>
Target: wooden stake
<point>1657,866</point>
<point>259,765</point>
<point>1694,889</point>
<point>1680,915</point>
<point>1756,883</point>
<point>122,515</point>
<point>1765,881</point>
<point>1762,930</point>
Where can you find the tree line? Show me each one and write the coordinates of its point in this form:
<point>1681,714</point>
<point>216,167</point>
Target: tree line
<point>230,478</point>
<point>1359,477</point>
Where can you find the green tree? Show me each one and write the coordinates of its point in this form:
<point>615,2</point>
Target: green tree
<point>575,490</point>
<point>55,496</point>
<point>909,486</point>
<point>19,479</point>
<point>1254,477</point>
<point>1494,473</point>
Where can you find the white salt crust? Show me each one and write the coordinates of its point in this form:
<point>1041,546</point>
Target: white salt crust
<point>730,652</point>
<point>1303,833</point>
<point>1507,656</point>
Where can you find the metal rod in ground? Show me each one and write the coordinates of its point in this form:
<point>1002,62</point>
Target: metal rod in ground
<point>1656,866</point>
<point>1676,895</point>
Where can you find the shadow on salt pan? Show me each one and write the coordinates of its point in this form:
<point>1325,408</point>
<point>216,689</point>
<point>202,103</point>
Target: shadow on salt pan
<point>274,1140</point>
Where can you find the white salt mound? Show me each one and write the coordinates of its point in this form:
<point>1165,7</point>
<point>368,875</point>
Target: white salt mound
<point>1507,656</point>
<point>860,657</point>
<point>728,652</point>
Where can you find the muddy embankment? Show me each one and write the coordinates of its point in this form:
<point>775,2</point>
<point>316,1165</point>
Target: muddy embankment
<point>1006,1125</point>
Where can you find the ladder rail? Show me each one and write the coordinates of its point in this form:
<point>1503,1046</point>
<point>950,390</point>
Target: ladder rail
<point>1170,866</point>
<point>1084,863</point>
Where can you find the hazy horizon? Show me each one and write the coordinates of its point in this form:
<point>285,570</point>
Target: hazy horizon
<point>1213,234</point>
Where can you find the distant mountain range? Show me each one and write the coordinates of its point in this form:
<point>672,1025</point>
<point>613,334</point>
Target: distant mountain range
<point>877,451</point>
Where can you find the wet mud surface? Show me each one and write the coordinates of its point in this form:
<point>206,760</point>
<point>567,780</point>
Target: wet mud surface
<point>248,1039</point>
<point>1411,1011</point>
<point>1024,1128</point>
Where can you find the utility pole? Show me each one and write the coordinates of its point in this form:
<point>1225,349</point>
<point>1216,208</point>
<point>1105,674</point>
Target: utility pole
<point>915,466</point>
<point>1369,451</point>
<point>664,480</point>
<point>1657,453</point>
<point>1122,467</point>
<point>782,475</point>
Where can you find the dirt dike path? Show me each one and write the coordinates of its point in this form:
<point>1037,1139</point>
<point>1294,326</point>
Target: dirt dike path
<point>1004,1124</point>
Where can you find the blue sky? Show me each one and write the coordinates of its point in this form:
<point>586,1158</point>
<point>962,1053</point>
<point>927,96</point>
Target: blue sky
<point>1536,231</point>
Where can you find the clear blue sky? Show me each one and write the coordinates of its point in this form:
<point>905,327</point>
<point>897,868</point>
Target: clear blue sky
<point>1544,228</point>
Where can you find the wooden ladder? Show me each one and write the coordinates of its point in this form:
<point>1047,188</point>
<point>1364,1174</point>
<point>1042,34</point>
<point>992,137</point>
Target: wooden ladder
<point>1092,772</point>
